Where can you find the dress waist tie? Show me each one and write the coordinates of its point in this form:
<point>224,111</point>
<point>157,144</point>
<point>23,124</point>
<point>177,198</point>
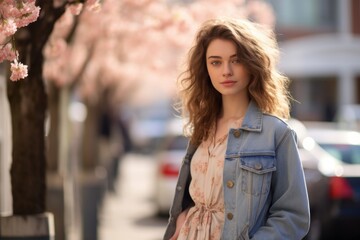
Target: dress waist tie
<point>204,213</point>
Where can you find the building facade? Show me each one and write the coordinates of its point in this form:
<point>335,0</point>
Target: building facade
<point>320,52</point>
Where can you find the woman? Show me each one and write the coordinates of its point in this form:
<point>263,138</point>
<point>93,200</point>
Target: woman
<point>241,177</point>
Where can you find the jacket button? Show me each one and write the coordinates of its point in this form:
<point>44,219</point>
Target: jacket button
<point>258,166</point>
<point>178,188</point>
<point>230,216</point>
<point>229,184</point>
<point>236,133</point>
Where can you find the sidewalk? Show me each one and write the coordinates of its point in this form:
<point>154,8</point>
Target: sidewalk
<point>128,213</point>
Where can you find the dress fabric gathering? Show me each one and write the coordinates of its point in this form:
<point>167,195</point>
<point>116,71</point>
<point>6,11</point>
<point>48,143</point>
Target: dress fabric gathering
<point>205,220</point>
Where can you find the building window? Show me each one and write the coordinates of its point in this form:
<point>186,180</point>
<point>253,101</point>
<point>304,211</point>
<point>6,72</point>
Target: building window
<point>316,98</point>
<point>306,15</point>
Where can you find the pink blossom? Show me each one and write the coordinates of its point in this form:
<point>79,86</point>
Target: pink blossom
<point>8,27</point>
<point>75,8</point>
<point>18,71</point>
<point>55,48</point>
<point>9,10</point>
<point>93,5</point>
<point>7,53</point>
<point>63,25</point>
<point>29,13</point>
<point>13,15</point>
<point>92,2</point>
<point>261,12</point>
<point>8,2</point>
<point>21,13</point>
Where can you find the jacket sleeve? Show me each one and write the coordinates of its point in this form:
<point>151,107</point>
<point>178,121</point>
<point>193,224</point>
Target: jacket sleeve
<point>182,198</point>
<point>289,214</point>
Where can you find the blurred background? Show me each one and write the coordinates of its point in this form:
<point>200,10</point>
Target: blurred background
<point>114,141</point>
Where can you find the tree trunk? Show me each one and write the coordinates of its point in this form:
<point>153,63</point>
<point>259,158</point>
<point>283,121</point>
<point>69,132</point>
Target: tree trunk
<point>53,136</point>
<point>90,146</point>
<point>28,102</point>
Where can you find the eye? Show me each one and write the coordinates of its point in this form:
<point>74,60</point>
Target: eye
<point>215,63</point>
<point>236,60</point>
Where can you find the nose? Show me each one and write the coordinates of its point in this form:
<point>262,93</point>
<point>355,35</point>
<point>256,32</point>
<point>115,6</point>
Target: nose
<point>227,71</point>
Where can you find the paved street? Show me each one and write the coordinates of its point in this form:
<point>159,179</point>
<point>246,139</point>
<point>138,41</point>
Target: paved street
<point>129,213</point>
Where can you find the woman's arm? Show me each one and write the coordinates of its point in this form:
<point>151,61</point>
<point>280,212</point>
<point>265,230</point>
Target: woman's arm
<point>289,214</point>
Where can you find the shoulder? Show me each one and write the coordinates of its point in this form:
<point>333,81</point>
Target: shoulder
<point>280,126</point>
<point>274,121</point>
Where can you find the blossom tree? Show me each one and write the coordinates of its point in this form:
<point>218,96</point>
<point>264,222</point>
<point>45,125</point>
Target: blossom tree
<point>15,15</point>
<point>22,44</point>
<point>136,40</point>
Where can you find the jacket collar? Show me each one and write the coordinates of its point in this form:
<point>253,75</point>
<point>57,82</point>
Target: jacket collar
<point>253,118</point>
<point>252,122</point>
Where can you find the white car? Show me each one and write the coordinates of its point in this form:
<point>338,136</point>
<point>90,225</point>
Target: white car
<point>169,158</point>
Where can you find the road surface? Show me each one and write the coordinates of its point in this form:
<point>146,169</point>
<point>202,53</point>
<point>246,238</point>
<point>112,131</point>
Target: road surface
<point>129,212</point>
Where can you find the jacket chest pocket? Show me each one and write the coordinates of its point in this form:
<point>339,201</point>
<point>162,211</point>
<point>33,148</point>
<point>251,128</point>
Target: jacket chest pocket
<point>255,171</point>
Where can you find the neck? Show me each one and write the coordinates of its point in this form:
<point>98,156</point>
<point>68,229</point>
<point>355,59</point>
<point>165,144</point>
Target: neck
<point>234,107</point>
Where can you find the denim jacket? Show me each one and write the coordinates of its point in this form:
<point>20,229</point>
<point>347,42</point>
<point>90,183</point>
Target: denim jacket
<point>265,194</point>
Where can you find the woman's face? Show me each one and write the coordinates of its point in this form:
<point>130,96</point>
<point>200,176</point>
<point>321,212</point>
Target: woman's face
<point>228,75</point>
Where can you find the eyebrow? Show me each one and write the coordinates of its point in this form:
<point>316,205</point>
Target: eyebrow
<point>217,57</point>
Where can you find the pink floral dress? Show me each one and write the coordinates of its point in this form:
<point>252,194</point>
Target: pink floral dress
<point>205,220</point>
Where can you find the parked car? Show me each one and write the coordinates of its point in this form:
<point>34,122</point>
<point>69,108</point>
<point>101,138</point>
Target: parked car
<point>332,178</point>
<point>312,156</point>
<point>169,157</point>
<point>341,217</point>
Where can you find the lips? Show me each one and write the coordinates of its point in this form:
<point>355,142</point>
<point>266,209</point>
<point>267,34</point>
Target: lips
<point>228,83</point>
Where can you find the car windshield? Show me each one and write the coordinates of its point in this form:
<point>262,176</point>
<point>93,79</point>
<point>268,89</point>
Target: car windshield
<point>346,153</point>
<point>178,143</point>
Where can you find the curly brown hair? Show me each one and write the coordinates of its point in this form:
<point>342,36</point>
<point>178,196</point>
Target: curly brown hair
<point>257,49</point>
